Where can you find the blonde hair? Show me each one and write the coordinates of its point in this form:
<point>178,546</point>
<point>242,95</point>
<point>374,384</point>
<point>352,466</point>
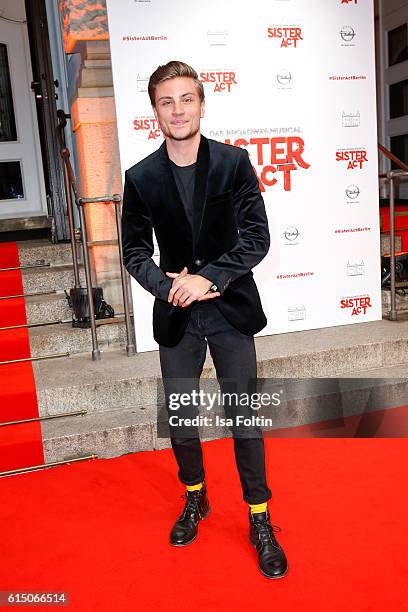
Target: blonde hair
<point>171,70</point>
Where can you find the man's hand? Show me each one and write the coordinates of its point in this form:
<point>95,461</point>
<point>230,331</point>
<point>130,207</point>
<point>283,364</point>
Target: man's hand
<point>187,288</point>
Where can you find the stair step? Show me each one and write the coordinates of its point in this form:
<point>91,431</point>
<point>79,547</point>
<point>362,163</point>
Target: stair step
<point>19,224</point>
<point>116,381</point>
<point>61,338</point>
<point>107,434</point>
<point>47,279</point>
<point>53,307</point>
<point>32,251</point>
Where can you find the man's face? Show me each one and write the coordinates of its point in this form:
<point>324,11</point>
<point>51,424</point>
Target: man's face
<point>178,108</point>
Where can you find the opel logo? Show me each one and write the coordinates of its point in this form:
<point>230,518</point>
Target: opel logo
<point>291,234</point>
<point>284,77</point>
<point>347,33</point>
<point>352,192</point>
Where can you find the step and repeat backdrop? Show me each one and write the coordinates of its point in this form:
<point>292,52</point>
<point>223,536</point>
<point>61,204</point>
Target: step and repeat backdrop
<point>293,82</point>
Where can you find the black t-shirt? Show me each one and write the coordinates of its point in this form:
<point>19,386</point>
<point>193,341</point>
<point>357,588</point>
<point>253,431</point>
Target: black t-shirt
<point>185,179</point>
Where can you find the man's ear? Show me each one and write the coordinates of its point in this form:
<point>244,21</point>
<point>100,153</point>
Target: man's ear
<point>202,109</point>
<point>155,112</point>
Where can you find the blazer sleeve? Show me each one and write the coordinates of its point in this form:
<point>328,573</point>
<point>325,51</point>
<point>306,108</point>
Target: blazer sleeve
<point>253,237</point>
<point>137,243</point>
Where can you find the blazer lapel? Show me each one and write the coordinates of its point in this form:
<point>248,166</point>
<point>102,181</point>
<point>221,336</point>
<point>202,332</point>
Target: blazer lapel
<point>171,193</point>
<point>200,187</point>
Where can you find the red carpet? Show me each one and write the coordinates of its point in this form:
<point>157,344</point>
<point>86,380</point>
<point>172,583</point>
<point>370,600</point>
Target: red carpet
<point>20,445</point>
<point>99,530</point>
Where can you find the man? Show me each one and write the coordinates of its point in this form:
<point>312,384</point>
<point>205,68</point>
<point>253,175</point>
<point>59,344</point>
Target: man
<point>203,201</point>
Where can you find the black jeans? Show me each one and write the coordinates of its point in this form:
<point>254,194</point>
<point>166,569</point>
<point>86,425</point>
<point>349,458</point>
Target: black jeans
<point>234,358</point>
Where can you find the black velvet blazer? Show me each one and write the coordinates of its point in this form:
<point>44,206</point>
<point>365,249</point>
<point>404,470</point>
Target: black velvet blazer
<point>229,238</point>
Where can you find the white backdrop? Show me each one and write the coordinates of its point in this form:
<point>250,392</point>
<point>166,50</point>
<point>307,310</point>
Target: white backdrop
<point>293,81</point>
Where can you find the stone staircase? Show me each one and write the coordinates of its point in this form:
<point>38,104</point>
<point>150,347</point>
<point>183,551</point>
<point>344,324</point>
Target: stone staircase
<point>122,396</point>
<point>60,337</point>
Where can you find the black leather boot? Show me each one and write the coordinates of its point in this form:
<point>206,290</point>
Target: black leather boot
<point>196,508</point>
<point>271,558</point>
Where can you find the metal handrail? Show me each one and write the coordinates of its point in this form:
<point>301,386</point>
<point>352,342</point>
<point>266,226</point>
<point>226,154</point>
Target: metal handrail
<point>62,122</point>
<point>116,199</point>
<point>392,157</point>
<point>392,176</point>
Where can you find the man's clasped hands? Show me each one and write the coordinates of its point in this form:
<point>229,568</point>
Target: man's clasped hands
<point>188,288</point>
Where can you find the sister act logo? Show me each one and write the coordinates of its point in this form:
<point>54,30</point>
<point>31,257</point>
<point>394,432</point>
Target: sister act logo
<point>149,126</point>
<point>354,159</point>
<point>358,305</point>
<point>274,159</point>
<point>289,36</point>
<point>219,80</point>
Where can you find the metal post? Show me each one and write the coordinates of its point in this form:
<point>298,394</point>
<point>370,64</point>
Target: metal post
<point>39,358</point>
<point>24,295</point>
<point>44,418</point>
<point>30,325</point>
<point>393,311</point>
<point>65,155</point>
<point>96,354</point>
<point>43,466</point>
<point>130,346</point>
<point>27,267</point>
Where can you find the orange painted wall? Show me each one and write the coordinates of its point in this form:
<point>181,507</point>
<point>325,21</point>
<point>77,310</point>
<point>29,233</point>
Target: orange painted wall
<point>94,124</point>
<point>82,21</point>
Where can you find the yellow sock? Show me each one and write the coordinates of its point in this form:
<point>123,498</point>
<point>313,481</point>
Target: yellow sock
<point>255,508</point>
<point>196,487</point>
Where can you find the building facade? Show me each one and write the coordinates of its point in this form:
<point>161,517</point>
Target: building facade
<point>62,63</point>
